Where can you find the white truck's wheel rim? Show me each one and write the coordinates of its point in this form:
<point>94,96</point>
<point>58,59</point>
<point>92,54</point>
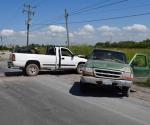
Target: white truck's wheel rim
<point>32,70</point>
<point>79,68</point>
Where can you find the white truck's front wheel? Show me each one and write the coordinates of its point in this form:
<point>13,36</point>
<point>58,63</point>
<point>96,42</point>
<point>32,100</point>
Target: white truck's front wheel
<point>32,70</point>
<point>80,67</point>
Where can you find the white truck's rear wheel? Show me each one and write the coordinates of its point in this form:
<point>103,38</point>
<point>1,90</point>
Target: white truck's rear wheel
<point>32,70</point>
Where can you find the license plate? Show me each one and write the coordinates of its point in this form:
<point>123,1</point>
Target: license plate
<point>107,82</point>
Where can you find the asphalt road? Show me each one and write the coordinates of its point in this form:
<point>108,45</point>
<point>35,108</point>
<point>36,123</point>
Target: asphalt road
<point>55,99</point>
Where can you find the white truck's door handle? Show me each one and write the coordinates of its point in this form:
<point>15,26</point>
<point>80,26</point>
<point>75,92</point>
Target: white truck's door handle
<point>62,58</point>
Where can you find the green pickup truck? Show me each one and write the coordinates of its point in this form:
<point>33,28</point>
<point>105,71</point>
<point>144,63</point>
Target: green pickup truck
<point>106,67</point>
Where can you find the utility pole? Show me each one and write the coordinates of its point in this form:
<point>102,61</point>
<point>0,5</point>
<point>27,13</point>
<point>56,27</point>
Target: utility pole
<point>29,10</point>
<point>1,37</point>
<point>66,19</point>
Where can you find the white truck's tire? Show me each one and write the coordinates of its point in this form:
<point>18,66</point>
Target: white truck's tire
<point>32,70</point>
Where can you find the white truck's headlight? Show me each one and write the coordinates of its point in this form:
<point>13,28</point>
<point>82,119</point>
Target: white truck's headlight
<point>88,72</point>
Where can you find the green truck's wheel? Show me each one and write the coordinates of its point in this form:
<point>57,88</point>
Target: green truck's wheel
<point>126,91</point>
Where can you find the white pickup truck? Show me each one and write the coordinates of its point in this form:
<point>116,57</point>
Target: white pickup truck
<point>56,58</point>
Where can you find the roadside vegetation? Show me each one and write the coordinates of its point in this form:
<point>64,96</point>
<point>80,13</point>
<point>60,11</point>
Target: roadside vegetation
<point>147,83</point>
<point>128,47</point>
<point>2,48</point>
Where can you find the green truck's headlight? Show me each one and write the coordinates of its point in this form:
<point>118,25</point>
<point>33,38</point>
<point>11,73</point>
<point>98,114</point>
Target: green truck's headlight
<point>127,76</point>
<point>88,72</point>
<point>126,69</point>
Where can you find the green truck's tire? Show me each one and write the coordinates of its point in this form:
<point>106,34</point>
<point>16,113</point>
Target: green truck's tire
<point>126,91</point>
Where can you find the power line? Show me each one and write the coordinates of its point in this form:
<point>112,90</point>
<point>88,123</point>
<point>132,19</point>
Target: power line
<point>89,6</point>
<point>125,8</point>
<point>130,7</point>
<point>103,19</point>
<point>97,20</point>
<point>61,17</point>
<point>111,18</point>
<point>37,3</point>
<point>102,6</point>
<point>30,1</point>
<point>11,20</point>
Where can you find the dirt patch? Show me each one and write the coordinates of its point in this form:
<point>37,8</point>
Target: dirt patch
<point>4,55</point>
<point>141,93</point>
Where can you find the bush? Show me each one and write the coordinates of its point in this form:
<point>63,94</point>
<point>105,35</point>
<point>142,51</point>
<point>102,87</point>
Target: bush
<point>81,49</point>
<point>147,83</point>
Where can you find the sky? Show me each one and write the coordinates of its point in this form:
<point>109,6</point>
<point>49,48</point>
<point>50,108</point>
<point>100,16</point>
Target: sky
<point>48,22</point>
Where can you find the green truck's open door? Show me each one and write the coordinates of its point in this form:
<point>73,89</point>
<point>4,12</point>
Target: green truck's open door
<point>140,67</point>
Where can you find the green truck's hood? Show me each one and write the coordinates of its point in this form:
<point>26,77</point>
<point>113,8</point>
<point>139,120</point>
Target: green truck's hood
<point>107,65</point>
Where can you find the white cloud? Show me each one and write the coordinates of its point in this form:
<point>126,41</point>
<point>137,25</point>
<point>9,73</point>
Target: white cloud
<point>55,34</point>
<point>136,28</point>
<point>7,32</point>
<point>56,29</point>
<point>107,30</point>
<point>71,35</point>
<point>86,30</point>
<point>22,33</point>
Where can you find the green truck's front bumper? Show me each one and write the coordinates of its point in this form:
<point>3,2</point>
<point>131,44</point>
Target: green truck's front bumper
<point>104,81</point>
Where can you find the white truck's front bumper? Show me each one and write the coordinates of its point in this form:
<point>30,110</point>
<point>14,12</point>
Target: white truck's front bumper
<point>103,81</point>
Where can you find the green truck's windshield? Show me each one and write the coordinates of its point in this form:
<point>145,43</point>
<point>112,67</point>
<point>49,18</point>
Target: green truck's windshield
<point>108,55</point>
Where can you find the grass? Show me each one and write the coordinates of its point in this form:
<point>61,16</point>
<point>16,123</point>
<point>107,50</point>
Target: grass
<point>147,83</point>
<point>81,49</point>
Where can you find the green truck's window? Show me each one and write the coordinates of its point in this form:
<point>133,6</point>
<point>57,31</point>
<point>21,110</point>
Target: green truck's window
<point>139,61</point>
